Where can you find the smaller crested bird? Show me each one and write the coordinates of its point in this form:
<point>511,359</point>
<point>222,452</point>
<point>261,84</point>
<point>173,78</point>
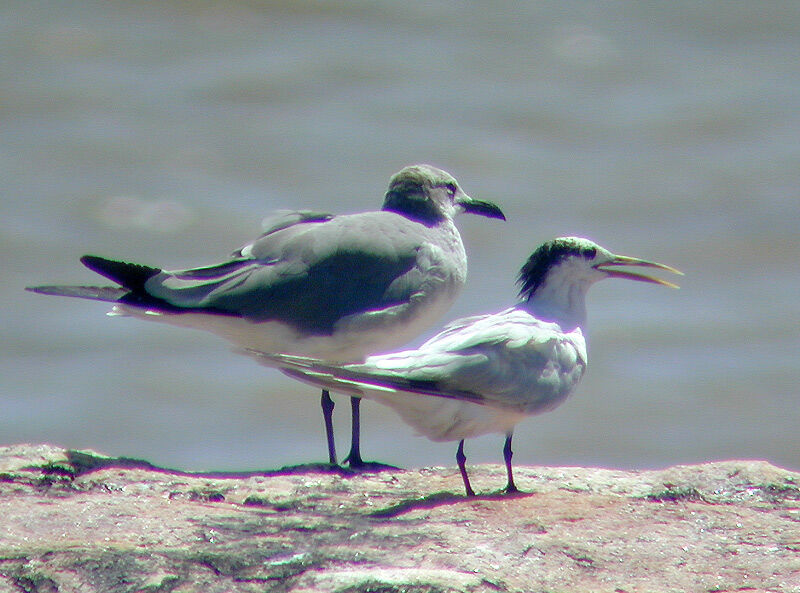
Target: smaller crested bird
<point>484,374</point>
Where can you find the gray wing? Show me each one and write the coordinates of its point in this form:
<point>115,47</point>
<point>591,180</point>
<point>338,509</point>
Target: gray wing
<point>279,220</point>
<point>309,274</point>
<point>508,360</point>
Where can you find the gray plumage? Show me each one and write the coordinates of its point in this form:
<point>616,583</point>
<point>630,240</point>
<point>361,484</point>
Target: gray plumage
<point>334,287</point>
<point>316,274</point>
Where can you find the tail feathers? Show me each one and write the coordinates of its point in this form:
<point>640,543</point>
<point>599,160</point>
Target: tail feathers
<point>109,294</point>
<point>130,276</point>
<point>358,379</point>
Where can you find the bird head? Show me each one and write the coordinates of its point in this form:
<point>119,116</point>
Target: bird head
<point>558,274</point>
<point>429,195</point>
<point>581,262</point>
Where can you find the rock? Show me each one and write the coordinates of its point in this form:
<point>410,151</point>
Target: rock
<point>80,521</point>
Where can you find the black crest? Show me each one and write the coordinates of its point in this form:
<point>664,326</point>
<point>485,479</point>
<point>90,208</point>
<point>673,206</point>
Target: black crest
<point>550,254</point>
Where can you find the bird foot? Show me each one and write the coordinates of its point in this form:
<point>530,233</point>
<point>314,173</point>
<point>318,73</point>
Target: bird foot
<point>368,466</point>
<point>354,460</point>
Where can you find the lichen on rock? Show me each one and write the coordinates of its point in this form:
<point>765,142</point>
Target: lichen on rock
<point>81,521</point>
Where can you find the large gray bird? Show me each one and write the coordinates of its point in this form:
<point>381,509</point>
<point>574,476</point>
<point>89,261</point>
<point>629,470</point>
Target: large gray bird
<point>337,288</point>
<point>484,374</point>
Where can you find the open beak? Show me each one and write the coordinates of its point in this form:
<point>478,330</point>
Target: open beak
<point>474,206</point>
<point>623,260</point>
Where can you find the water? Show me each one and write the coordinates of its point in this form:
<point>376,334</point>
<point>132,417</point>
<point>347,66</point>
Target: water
<point>162,133</point>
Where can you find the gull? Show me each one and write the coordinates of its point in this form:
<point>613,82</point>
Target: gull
<point>486,373</point>
<point>338,288</point>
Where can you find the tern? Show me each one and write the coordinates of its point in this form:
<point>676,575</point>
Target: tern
<point>486,373</point>
<point>338,288</point>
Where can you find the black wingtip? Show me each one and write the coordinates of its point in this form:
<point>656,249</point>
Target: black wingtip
<point>131,276</point>
<point>39,289</point>
<point>109,294</point>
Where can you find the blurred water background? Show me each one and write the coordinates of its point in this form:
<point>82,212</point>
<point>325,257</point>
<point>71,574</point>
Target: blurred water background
<point>163,132</point>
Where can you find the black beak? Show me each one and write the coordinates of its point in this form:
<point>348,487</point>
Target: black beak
<point>480,207</point>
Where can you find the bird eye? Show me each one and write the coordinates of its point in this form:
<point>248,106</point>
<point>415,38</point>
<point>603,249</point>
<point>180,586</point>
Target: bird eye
<point>451,189</point>
<point>589,252</point>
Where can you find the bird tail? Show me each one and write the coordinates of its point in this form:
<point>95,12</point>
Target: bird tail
<point>308,370</point>
<point>131,278</point>
<point>360,380</point>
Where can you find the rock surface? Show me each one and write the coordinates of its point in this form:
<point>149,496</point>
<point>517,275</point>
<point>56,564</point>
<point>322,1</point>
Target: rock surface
<point>80,521</point>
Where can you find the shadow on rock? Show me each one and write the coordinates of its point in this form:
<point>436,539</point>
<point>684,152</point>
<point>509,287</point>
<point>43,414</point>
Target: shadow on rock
<point>79,463</point>
<point>440,499</point>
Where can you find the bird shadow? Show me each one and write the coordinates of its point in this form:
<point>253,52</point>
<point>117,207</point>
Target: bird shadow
<point>79,463</point>
<point>443,498</point>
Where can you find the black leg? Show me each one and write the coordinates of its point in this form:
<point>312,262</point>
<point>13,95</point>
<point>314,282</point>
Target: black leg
<point>327,414</point>
<point>507,455</point>
<point>461,459</point>
<point>354,457</point>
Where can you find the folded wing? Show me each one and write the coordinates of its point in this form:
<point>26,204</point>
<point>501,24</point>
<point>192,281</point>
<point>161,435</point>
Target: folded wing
<point>509,360</point>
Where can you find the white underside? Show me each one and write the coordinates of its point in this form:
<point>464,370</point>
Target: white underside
<point>517,364</point>
<point>353,339</point>
<point>442,419</point>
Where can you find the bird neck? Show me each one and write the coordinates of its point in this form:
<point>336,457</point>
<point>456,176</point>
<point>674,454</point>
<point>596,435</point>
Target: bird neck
<point>413,205</point>
<point>563,303</point>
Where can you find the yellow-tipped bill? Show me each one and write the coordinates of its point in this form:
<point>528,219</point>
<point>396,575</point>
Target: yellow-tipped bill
<point>623,260</point>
